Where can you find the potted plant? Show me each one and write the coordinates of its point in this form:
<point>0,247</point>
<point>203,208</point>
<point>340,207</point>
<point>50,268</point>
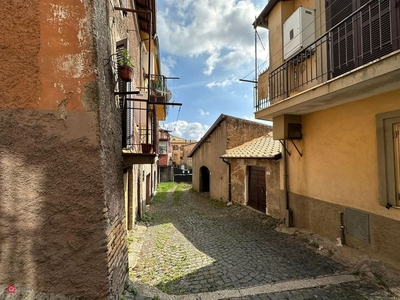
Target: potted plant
<point>147,148</point>
<point>125,66</point>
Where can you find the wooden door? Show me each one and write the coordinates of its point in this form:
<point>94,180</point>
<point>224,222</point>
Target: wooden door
<point>257,189</point>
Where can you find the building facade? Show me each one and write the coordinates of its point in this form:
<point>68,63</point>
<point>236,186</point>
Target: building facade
<point>334,102</point>
<point>254,170</point>
<point>165,169</point>
<point>180,150</point>
<point>72,179</point>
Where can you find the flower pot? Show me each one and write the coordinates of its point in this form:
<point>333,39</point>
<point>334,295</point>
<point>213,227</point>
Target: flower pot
<point>147,148</point>
<point>125,73</point>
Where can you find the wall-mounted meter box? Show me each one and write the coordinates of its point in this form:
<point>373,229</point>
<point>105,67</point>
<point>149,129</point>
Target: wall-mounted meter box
<point>298,31</point>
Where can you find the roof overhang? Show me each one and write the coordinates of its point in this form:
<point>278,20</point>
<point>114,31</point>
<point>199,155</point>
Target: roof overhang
<point>276,156</point>
<point>144,19</point>
<point>262,19</point>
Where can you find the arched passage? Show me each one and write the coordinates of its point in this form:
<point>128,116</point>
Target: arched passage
<point>204,179</point>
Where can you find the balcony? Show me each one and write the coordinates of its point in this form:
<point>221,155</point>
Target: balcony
<point>356,58</point>
<point>159,94</point>
<point>139,127</point>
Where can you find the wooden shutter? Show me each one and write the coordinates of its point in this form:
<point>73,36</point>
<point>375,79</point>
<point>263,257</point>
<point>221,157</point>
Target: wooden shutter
<point>375,37</point>
<point>370,34</point>
<point>342,56</point>
<point>127,109</point>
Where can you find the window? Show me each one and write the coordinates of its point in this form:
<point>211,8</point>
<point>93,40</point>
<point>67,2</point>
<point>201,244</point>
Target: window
<point>162,148</point>
<point>388,130</point>
<point>127,106</point>
<point>175,147</point>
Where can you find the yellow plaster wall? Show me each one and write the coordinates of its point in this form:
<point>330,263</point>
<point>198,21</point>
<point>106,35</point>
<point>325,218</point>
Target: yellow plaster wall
<point>339,163</point>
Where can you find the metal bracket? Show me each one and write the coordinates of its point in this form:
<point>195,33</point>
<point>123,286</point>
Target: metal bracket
<point>283,145</point>
<point>297,148</point>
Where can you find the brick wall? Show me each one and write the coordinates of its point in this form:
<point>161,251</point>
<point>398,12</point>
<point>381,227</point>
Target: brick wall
<point>117,256</point>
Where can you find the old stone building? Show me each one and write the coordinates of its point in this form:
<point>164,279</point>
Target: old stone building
<point>210,173</point>
<point>72,179</point>
<point>254,170</point>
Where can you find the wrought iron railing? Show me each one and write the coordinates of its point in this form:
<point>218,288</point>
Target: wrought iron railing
<point>370,32</point>
<point>158,87</point>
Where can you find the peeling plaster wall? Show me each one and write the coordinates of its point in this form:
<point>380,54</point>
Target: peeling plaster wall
<point>61,188</point>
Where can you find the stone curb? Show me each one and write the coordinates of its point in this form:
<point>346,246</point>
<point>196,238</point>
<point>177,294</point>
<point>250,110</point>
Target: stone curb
<point>150,291</point>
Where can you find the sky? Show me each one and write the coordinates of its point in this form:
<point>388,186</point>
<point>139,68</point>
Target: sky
<point>209,45</point>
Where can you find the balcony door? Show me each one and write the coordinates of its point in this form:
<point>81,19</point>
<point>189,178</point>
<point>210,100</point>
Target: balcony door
<point>368,35</point>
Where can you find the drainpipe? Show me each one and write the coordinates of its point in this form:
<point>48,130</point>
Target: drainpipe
<point>229,180</point>
<point>288,217</point>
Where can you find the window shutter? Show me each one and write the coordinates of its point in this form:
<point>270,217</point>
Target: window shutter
<point>127,110</point>
<point>342,44</point>
<point>371,34</point>
<point>376,40</point>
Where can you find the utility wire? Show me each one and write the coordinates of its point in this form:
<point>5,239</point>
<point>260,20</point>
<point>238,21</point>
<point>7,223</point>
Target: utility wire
<point>313,22</point>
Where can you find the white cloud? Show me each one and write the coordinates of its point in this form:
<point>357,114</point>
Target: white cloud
<point>203,113</point>
<point>168,64</point>
<point>189,131</point>
<point>220,29</point>
<point>221,83</point>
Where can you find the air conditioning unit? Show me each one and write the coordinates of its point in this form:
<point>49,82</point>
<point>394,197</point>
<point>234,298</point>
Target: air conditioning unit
<point>298,31</point>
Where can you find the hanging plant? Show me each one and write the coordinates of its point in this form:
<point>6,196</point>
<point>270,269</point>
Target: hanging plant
<point>125,66</point>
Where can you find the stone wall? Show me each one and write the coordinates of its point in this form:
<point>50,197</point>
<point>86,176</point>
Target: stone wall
<point>239,179</point>
<point>323,218</point>
<point>166,174</point>
<point>117,257</point>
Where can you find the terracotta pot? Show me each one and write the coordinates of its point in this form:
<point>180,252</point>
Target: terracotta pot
<point>125,73</point>
<point>147,148</point>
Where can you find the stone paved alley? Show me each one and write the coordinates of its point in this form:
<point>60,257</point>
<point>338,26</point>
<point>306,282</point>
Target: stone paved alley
<point>197,248</point>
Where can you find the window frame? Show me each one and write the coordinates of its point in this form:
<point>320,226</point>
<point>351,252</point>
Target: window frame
<point>128,134</point>
<point>386,159</point>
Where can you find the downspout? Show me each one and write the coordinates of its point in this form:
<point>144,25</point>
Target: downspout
<point>288,217</point>
<point>229,180</point>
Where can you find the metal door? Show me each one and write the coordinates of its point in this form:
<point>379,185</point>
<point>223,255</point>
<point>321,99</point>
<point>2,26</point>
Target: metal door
<point>257,189</point>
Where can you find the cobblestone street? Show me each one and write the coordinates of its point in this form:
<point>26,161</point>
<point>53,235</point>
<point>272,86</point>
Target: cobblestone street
<point>197,248</point>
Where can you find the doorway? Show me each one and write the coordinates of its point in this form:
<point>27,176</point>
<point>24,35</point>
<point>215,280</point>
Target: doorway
<point>257,189</point>
<point>204,180</point>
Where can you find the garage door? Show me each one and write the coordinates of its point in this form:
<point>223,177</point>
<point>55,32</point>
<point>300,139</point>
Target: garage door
<point>257,191</point>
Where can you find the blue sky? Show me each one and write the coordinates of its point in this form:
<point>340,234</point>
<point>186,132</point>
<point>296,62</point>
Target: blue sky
<point>209,45</point>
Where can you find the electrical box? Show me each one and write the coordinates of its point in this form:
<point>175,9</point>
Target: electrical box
<point>298,31</point>
<point>287,127</point>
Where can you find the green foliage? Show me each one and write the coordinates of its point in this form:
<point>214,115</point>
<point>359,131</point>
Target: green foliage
<point>125,59</point>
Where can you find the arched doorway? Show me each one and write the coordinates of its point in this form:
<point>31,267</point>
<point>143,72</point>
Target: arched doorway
<point>204,179</point>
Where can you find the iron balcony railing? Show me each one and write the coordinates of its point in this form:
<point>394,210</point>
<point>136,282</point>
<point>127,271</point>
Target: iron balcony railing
<point>368,33</point>
<point>158,88</point>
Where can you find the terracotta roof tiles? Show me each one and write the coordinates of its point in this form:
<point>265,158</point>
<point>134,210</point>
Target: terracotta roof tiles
<point>263,147</point>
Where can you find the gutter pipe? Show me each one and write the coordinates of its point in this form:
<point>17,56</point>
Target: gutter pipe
<point>229,179</point>
<point>288,218</point>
